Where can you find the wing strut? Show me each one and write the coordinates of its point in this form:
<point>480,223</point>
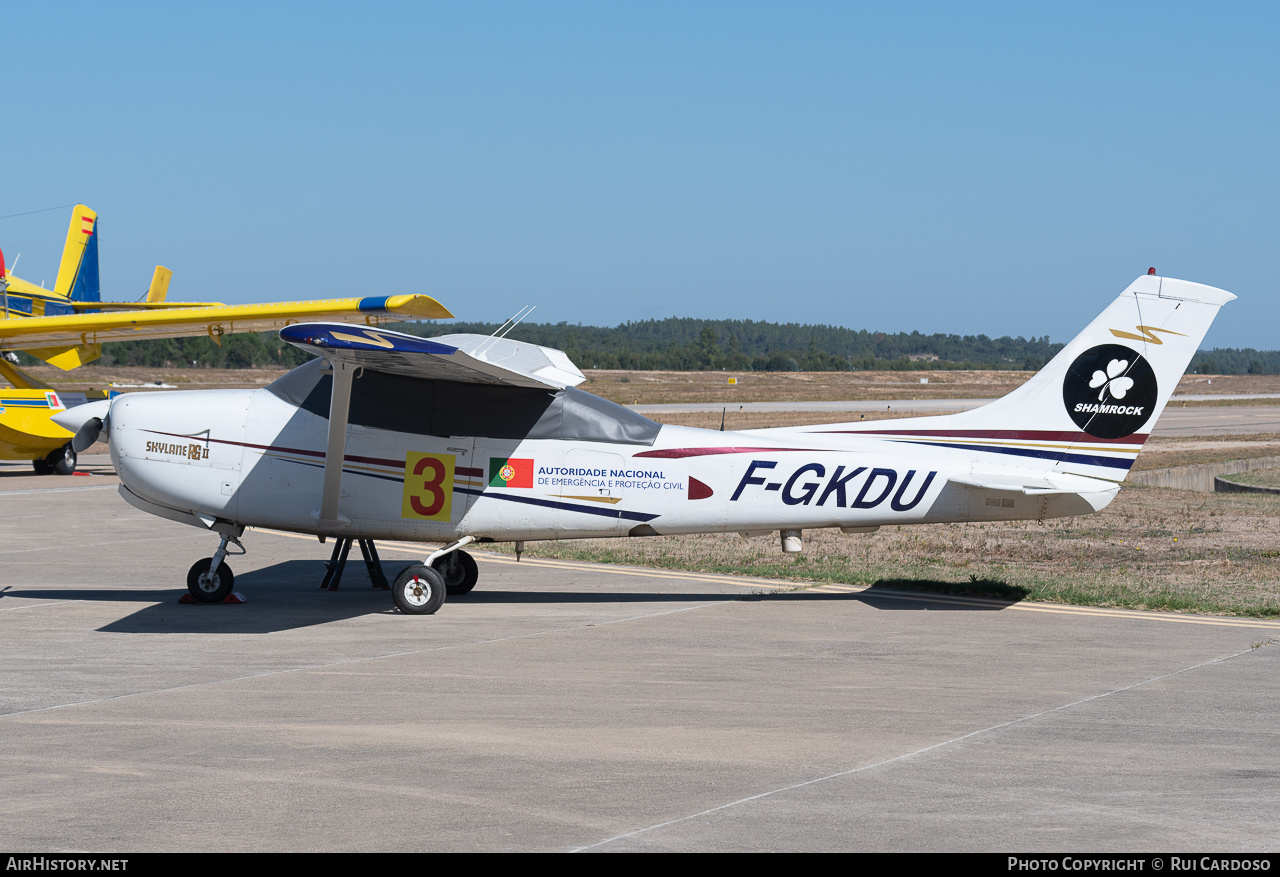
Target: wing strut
<point>339,407</point>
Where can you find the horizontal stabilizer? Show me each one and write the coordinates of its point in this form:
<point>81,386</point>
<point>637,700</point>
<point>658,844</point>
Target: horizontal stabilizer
<point>1032,486</point>
<point>474,359</point>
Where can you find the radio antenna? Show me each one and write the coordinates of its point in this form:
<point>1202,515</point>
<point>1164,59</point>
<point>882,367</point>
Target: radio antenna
<point>501,331</point>
<point>516,320</point>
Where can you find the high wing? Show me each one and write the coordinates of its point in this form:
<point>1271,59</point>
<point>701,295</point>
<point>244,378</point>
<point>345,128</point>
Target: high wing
<point>472,359</point>
<point>475,359</point>
<point>69,341</point>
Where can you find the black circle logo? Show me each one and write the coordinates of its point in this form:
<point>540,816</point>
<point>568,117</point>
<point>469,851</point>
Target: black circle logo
<point>1110,391</point>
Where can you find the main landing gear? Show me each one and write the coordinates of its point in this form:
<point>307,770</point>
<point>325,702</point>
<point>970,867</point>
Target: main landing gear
<point>459,571</point>
<point>58,462</point>
<point>210,580</point>
<point>457,568</point>
<point>421,589</point>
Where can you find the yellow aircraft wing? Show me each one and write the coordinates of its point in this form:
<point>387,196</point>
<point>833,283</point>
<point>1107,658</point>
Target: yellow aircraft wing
<point>72,340</point>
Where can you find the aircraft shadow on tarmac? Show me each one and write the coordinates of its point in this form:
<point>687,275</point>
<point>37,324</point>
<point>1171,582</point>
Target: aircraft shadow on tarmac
<point>286,596</point>
<point>918,595</point>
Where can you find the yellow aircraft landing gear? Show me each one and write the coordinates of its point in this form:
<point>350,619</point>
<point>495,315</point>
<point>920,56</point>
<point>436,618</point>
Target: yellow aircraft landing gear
<point>61,461</point>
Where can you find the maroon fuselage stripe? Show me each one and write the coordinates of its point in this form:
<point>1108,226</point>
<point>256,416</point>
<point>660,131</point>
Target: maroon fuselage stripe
<point>374,461</point>
<point>1005,434</point>
<point>680,453</point>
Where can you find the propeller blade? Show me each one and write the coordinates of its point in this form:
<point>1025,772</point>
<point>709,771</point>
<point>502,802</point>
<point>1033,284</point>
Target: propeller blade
<point>87,421</point>
<point>87,434</point>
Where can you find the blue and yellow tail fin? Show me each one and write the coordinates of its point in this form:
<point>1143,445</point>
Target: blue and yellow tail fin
<point>78,271</point>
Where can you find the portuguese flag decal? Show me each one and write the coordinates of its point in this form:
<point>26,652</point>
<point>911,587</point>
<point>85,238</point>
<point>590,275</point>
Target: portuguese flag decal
<point>510,472</point>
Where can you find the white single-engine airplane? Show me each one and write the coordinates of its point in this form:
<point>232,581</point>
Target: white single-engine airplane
<point>466,438</point>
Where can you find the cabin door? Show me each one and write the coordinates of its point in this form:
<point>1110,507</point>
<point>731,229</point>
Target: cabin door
<point>590,501</point>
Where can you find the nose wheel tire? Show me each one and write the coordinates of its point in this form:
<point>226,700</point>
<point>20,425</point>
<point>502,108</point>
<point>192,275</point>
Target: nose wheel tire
<point>419,590</point>
<point>459,571</point>
<point>208,587</point>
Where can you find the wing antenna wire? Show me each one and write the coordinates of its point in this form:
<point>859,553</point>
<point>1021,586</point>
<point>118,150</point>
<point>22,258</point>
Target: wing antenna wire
<point>504,323</point>
<point>517,319</point>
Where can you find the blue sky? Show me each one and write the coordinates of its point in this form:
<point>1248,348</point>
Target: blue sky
<point>995,168</point>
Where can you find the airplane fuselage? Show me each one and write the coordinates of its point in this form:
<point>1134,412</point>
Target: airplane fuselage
<point>464,438</point>
<point>250,458</point>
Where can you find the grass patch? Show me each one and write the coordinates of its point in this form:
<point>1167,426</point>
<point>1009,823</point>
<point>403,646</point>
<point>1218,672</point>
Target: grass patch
<point>1258,478</point>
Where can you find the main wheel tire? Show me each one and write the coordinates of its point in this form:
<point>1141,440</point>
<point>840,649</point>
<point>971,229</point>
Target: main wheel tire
<point>419,590</point>
<point>459,571</point>
<point>63,460</point>
<point>206,588</point>
<point>42,466</point>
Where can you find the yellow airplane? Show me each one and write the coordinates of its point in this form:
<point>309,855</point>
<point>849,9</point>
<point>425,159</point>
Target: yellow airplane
<point>66,327</point>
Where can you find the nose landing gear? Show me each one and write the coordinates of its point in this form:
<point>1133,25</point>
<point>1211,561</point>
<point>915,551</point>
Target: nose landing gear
<point>421,589</point>
<point>210,580</point>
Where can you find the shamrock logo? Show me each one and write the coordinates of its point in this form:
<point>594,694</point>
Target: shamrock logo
<point>1112,381</point>
<point>1102,375</point>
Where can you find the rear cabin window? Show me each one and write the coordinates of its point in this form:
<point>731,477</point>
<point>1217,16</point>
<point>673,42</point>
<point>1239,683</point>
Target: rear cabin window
<point>446,408</point>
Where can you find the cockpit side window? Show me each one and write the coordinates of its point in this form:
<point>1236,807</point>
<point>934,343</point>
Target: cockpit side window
<point>380,400</point>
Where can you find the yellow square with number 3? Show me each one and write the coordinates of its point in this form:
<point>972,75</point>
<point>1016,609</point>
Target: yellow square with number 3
<point>428,487</point>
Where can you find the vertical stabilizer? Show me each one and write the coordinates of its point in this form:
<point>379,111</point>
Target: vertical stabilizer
<point>1090,410</point>
<point>78,271</point>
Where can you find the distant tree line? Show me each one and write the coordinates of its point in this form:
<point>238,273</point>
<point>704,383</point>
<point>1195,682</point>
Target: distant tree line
<point>685,344</point>
<point>1235,361</point>
<point>264,350</point>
